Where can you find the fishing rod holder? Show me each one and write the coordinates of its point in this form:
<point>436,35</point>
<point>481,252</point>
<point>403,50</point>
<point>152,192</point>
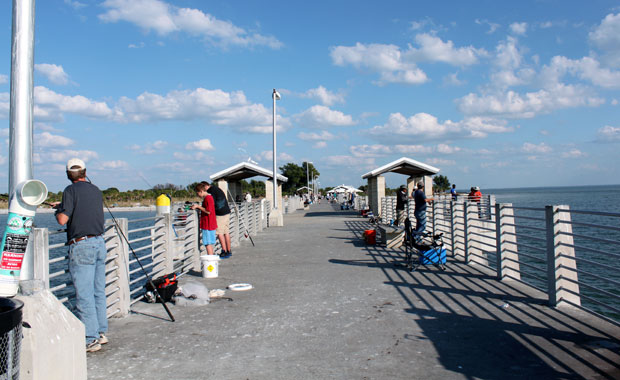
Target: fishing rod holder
<point>22,209</point>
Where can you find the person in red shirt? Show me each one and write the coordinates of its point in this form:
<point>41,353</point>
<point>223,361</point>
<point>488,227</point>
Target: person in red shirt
<point>208,222</point>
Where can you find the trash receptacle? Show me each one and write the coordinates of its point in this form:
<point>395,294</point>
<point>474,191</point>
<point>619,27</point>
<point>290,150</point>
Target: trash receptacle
<point>10,337</point>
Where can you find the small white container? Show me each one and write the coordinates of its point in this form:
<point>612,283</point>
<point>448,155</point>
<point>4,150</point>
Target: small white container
<point>209,265</point>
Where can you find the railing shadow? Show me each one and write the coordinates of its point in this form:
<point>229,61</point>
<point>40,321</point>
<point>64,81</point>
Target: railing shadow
<point>485,328</point>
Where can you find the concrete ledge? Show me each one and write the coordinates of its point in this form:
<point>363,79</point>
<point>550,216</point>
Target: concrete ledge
<point>391,237</point>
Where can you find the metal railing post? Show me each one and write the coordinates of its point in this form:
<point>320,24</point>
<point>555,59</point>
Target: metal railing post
<point>41,256</point>
<point>507,256</point>
<point>561,264</point>
<point>466,232</point>
<point>118,250</point>
<point>434,209</point>
<point>452,239</point>
<point>162,237</point>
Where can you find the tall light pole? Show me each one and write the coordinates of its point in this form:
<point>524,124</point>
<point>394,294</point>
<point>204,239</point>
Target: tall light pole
<point>308,178</point>
<point>275,96</point>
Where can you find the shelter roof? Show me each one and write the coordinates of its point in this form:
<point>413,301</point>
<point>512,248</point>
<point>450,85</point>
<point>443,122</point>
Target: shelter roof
<point>405,166</point>
<point>245,170</point>
<point>344,189</point>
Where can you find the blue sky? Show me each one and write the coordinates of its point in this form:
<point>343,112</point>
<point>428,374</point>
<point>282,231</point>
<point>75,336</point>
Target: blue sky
<point>495,94</point>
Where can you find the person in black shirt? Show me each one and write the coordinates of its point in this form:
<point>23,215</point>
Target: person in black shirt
<point>401,203</point>
<point>81,210</point>
<point>222,215</point>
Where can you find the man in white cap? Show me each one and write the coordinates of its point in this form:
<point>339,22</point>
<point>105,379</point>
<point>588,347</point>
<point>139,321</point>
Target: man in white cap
<point>81,210</point>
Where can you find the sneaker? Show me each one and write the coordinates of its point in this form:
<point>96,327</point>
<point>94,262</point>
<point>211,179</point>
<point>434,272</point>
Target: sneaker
<point>103,339</point>
<point>93,346</point>
<point>225,255</point>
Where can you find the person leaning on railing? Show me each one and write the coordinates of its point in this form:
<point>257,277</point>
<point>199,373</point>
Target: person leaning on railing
<point>420,211</point>
<point>81,209</point>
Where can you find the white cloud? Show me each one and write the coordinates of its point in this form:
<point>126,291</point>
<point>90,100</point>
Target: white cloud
<point>380,150</point>
<point>54,73</point>
<point>217,106</point>
<point>350,161</point>
<point>109,165</point>
<point>203,157</point>
<point>50,105</point>
<point>313,136</point>
<point>5,105</point>
<point>399,66</point>
<point>3,160</point>
<point>62,156</point>
<point>453,80</point>
<point>328,98</point>
<point>541,148</point>
<point>376,150</point>
<point>164,18</point>
<point>511,104</point>
<point>492,26</point>
<point>323,117</point>
<point>606,37</point>
<point>386,60</point>
<point>136,46</point>
<point>320,145</point>
<point>440,161</point>
<point>150,148</point>
<point>519,28</point>
<point>423,126</point>
<point>586,68</point>
<point>4,79</point>
<point>573,153</point>
<point>75,4</point>
<point>267,155</point>
<point>433,49</point>
<point>608,134</point>
<point>47,139</point>
<point>204,144</point>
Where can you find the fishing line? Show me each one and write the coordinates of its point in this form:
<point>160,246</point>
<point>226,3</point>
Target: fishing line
<point>241,219</point>
<point>148,278</point>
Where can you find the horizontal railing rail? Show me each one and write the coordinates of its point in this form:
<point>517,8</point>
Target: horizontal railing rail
<point>160,244</point>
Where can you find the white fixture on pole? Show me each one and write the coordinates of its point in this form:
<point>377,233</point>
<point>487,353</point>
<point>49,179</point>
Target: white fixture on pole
<point>275,96</point>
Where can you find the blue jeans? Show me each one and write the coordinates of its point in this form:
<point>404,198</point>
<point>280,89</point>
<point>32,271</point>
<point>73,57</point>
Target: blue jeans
<point>87,268</point>
<point>420,217</point>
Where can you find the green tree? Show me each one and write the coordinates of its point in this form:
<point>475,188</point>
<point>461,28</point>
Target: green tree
<point>441,184</point>
<point>295,174</point>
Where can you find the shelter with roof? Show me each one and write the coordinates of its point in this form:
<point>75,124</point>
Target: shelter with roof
<point>414,170</point>
<point>229,180</point>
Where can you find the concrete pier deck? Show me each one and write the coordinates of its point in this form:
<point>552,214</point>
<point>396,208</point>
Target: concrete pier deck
<point>326,306</point>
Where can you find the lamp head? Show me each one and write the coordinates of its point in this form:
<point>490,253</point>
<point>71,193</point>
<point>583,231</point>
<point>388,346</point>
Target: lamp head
<point>276,95</point>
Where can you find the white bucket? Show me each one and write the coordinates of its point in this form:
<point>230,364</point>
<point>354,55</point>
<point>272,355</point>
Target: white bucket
<point>209,264</point>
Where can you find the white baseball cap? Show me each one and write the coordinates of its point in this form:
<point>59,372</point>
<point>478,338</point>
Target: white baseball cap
<point>75,162</point>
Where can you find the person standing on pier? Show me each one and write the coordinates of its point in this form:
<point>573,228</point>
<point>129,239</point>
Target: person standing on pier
<point>208,222</point>
<point>81,209</point>
<point>222,214</point>
<point>420,210</point>
<point>401,202</point>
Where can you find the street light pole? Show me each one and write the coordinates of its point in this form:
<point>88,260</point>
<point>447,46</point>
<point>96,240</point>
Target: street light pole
<point>275,96</point>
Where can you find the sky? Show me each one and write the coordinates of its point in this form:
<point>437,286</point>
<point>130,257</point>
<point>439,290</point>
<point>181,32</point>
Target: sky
<point>494,94</point>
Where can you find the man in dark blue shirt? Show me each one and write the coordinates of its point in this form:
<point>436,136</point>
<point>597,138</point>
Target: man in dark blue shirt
<point>81,210</point>
<point>420,210</point>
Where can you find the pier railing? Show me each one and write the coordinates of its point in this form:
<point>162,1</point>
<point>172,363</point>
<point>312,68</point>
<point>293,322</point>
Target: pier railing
<point>570,256</point>
<point>162,244</point>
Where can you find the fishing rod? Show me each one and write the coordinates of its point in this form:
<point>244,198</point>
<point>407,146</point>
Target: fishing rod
<point>241,219</point>
<point>44,203</point>
<point>148,278</point>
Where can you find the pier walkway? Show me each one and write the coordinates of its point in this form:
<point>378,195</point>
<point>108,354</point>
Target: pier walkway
<point>325,305</point>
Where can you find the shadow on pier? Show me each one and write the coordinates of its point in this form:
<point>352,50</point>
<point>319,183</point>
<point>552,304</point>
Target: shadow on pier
<point>327,306</point>
<point>490,329</point>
